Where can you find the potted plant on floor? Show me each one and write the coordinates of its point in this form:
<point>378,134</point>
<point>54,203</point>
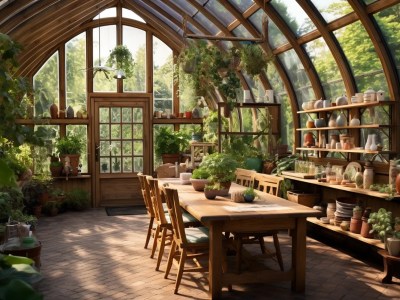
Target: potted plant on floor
<point>169,143</point>
<point>69,148</point>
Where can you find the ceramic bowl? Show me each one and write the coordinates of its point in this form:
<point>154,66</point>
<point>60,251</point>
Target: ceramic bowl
<point>341,101</point>
<point>320,122</point>
<point>324,220</point>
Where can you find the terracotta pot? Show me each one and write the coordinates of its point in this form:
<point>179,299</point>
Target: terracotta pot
<point>198,184</point>
<point>365,229</point>
<point>74,162</point>
<point>355,225</point>
<point>309,139</point>
<point>54,111</point>
<point>211,194</point>
<point>170,158</point>
<point>398,183</point>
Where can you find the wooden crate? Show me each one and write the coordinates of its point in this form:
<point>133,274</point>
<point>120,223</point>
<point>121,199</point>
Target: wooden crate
<point>303,198</point>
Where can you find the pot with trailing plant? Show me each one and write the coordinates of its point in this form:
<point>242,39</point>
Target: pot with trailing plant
<point>169,144</point>
<point>222,167</point>
<point>69,149</point>
<point>121,59</point>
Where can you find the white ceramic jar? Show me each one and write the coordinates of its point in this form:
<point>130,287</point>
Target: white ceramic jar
<point>369,95</point>
<point>380,95</point>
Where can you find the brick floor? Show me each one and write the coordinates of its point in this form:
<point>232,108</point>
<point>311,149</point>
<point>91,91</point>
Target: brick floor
<point>89,255</point>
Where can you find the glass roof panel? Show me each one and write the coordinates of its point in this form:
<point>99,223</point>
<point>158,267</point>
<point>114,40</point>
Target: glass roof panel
<point>300,81</point>
<point>326,67</point>
<point>240,31</point>
<point>241,5</point>
<point>369,1</point>
<point>127,13</point>
<point>162,18</point>
<point>220,12</point>
<point>294,15</point>
<point>390,27</point>
<point>170,11</point>
<point>360,53</point>
<point>199,17</point>
<point>186,6</point>
<point>107,13</point>
<point>275,36</point>
<point>332,9</point>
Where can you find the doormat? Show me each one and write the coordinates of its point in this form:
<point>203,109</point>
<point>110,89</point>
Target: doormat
<point>126,210</point>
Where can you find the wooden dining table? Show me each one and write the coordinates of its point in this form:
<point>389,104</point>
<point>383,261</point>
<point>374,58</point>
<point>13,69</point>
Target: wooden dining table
<point>268,212</point>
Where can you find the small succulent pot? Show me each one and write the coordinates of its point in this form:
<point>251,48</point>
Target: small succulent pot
<point>248,198</point>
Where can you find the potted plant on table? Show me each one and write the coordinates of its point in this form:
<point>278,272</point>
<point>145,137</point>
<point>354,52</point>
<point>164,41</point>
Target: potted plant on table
<point>249,194</point>
<point>169,143</point>
<point>121,59</point>
<point>69,148</point>
<point>199,179</point>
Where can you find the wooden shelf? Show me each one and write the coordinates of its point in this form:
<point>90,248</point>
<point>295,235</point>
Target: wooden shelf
<point>348,106</point>
<point>344,127</point>
<point>343,188</point>
<point>375,242</point>
<point>74,121</point>
<point>177,121</point>
<point>343,150</point>
<point>85,176</point>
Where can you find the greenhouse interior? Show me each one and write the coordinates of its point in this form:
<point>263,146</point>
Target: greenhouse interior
<point>231,149</point>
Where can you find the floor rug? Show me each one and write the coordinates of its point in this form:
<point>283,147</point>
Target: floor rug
<point>126,210</point>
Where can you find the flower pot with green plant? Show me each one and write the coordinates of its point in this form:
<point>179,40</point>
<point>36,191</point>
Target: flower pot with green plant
<point>169,144</point>
<point>249,194</point>
<point>121,59</point>
<point>382,223</point>
<point>253,60</point>
<point>222,167</point>
<point>199,179</point>
<point>211,191</point>
<point>69,149</point>
<point>56,168</point>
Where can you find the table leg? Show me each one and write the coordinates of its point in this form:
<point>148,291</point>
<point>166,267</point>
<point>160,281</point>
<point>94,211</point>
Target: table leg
<point>215,260</point>
<point>387,277</point>
<point>299,256</point>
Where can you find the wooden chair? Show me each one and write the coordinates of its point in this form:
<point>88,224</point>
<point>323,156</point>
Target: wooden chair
<point>163,229</point>
<point>187,242</point>
<point>268,184</point>
<point>149,206</point>
<point>168,170</point>
<point>244,177</point>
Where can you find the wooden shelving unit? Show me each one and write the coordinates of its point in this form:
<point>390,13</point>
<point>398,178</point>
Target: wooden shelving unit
<point>177,121</point>
<point>74,121</point>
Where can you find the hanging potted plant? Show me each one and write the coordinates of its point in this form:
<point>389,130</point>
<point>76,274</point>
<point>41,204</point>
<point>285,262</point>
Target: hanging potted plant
<point>253,60</point>
<point>121,59</point>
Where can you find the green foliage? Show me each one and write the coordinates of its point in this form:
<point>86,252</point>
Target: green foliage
<point>200,173</point>
<point>285,164</point>
<point>210,126</point>
<point>381,222</point>
<point>253,60</point>
<point>77,199</point>
<point>121,59</point>
<point>213,187</point>
<point>250,192</point>
<point>221,166</point>
<point>168,141</point>
<point>69,144</point>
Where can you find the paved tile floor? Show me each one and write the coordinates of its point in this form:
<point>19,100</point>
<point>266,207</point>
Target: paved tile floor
<point>89,255</point>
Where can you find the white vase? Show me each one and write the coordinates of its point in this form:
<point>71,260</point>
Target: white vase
<point>341,120</point>
<point>368,143</point>
<point>373,146</point>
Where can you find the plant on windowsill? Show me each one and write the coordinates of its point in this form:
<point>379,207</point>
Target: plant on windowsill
<point>121,59</point>
<point>70,146</point>
<point>169,143</point>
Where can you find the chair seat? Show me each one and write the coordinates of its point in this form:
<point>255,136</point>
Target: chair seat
<point>197,235</point>
<point>187,218</point>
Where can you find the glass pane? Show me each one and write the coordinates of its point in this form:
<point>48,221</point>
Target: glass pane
<point>75,52</point>
<point>45,84</point>
<point>104,40</point>
<point>137,131</point>
<point>104,131</point>
<point>388,23</point>
<point>241,31</point>
<point>81,131</point>
<point>138,147</point>
<point>104,115</point>
<point>138,164</point>
<point>186,6</point>
<point>104,148</point>
<point>116,165</point>
<point>369,1</point>
<point>115,148</point>
<point>105,165</point>
<point>163,75</point>
<point>115,115</point>
<point>126,115</point>
<point>326,67</point>
<point>116,131</point>
<point>332,9</point>
<point>127,13</point>
<point>360,52</point>
<point>294,15</point>
<point>126,131</point>
<point>241,5</point>
<point>220,12</point>
<point>127,148</point>
<point>41,162</point>
<point>127,165</point>
<point>135,40</point>
<point>107,13</point>
<point>138,115</point>
<point>203,20</point>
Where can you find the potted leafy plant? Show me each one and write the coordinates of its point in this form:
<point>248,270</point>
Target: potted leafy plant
<point>69,148</point>
<point>199,178</point>
<point>211,191</point>
<point>249,194</point>
<point>382,223</point>
<point>77,199</point>
<point>222,167</point>
<point>253,60</point>
<point>121,59</point>
<point>169,143</point>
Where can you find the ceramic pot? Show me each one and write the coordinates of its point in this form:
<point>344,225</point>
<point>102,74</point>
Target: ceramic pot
<point>393,246</point>
<point>310,124</point>
<point>369,95</point>
<point>341,120</point>
<point>330,210</point>
<point>355,122</point>
<point>368,177</point>
<point>365,229</point>
<point>309,140</point>
<point>211,194</point>
<point>320,122</point>
<point>380,95</point>
<point>398,183</point>
<point>368,143</point>
<point>393,172</point>
<point>54,111</point>
<point>355,225</point>
<point>70,112</point>
<point>373,146</point>
<point>342,100</point>
<point>248,198</point>
<point>345,225</point>
<point>332,121</point>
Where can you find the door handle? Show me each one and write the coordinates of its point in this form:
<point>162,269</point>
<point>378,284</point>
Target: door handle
<point>97,152</point>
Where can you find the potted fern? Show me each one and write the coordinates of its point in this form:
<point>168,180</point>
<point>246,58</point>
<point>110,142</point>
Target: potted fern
<point>121,59</point>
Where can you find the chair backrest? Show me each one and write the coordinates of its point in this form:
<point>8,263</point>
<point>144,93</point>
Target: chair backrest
<point>168,170</point>
<point>146,193</point>
<point>267,183</point>
<point>156,200</point>
<point>244,177</point>
<point>175,212</point>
